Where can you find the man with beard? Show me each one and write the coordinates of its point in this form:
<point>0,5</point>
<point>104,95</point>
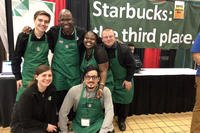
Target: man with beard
<point>93,115</point>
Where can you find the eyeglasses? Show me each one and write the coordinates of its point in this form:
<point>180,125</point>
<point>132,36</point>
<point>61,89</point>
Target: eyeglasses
<point>87,77</point>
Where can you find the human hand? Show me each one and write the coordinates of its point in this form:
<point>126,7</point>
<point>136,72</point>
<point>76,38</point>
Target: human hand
<point>99,93</point>
<point>51,128</point>
<point>26,29</point>
<point>19,84</point>
<point>127,85</point>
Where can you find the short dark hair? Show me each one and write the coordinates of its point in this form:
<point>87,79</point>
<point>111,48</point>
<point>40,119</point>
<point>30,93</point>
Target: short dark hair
<point>42,12</point>
<point>130,44</point>
<point>91,68</point>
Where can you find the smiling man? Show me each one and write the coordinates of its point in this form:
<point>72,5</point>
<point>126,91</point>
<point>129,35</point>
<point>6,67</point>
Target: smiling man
<point>122,65</point>
<point>90,115</point>
<point>65,63</point>
<point>33,48</point>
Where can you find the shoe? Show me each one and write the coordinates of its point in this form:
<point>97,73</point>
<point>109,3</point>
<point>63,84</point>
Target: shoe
<point>122,126</point>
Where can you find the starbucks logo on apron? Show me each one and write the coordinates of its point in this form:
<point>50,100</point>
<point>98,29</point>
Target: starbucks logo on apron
<point>66,46</point>
<point>38,49</point>
<point>60,41</point>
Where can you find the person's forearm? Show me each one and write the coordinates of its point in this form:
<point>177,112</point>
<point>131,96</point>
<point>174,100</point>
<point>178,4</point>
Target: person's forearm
<point>196,58</point>
<point>109,112</point>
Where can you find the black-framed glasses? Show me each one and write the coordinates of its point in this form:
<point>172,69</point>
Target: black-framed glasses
<point>88,77</point>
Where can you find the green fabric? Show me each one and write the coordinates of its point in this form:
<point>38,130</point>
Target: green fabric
<point>183,59</point>
<point>147,23</point>
<point>110,80</point>
<point>88,108</point>
<point>92,61</point>
<point>85,63</point>
<point>36,54</point>
<point>65,63</point>
<point>120,94</point>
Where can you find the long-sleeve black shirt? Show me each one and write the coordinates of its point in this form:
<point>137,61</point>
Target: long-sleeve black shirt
<point>52,37</point>
<point>125,58</point>
<point>20,49</point>
<point>54,32</point>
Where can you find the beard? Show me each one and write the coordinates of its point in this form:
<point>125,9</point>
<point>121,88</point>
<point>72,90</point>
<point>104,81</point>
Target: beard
<point>91,85</point>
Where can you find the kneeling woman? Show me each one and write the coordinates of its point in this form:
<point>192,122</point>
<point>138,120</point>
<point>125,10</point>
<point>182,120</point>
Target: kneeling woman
<point>35,112</point>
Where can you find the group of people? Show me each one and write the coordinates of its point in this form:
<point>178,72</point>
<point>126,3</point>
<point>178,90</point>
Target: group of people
<point>89,75</point>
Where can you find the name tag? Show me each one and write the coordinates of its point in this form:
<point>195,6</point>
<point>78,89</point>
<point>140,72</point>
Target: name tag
<point>85,122</point>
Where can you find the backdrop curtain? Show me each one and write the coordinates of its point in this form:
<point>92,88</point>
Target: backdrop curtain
<point>60,4</point>
<point>9,23</point>
<point>151,58</point>
<point>80,11</point>
<point>183,58</point>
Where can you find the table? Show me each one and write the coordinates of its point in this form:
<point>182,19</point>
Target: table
<point>7,98</point>
<point>156,91</point>
<point>163,90</point>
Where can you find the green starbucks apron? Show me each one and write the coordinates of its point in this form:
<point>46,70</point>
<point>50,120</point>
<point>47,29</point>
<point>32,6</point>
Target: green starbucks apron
<point>36,54</point>
<point>89,115</point>
<point>65,63</point>
<point>85,63</point>
<point>120,95</point>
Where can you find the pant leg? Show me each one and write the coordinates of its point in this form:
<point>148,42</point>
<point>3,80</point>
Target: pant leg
<point>14,124</point>
<point>195,124</point>
<point>60,95</point>
<point>34,131</point>
<point>121,111</point>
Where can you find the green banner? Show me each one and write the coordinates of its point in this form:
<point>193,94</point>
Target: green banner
<point>146,23</point>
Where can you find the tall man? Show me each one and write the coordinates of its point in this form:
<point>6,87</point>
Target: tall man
<point>65,63</point>
<point>122,66</point>
<point>33,48</point>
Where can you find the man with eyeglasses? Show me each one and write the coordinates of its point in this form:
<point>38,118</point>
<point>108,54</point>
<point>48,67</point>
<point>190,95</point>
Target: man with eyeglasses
<point>122,66</point>
<point>93,115</point>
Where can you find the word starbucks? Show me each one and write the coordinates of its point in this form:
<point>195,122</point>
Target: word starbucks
<point>130,12</point>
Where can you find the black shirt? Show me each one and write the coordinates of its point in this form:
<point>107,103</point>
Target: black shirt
<point>54,32</point>
<point>100,54</point>
<point>125,58</point>
<point>22,40</point>
<point>20,49</point>
<point>35,109</point>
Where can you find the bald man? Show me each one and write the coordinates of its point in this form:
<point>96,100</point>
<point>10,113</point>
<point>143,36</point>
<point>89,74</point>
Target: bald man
<point>65,62</point>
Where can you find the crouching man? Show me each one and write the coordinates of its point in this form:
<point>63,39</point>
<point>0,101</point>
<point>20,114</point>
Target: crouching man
<point>93,115</point>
